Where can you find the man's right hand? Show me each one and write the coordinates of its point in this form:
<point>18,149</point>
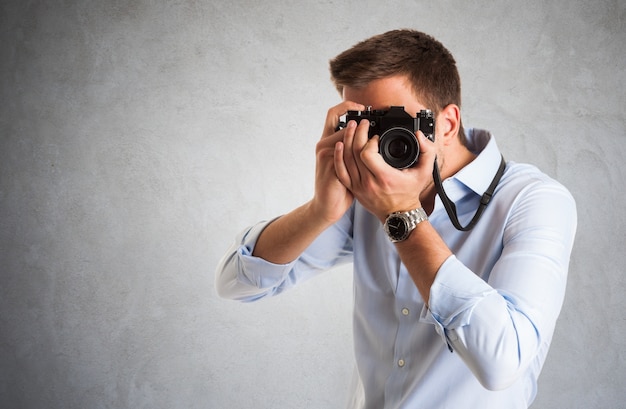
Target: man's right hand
<point>331,199</point>
<point>287,237</point>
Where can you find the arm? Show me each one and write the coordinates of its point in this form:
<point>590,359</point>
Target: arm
<point>501,327</point>
<point>244,277</point>
<point>285,239</point>
<point>382,190</point>
<point>281,242</point>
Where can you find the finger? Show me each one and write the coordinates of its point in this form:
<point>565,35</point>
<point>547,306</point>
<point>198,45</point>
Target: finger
<point>329,141</point>
<point>340,167</point>
<point>371,158</point>
<point>348,155</point>
<point>360,141</point>
<point>336,112</point>
<point>361,137</point>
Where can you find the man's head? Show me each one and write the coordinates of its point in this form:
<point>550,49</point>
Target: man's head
<point>424,61</point>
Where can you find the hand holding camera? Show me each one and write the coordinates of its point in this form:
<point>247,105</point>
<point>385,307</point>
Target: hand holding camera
<point>384,186</point>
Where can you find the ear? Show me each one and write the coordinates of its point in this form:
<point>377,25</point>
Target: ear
<point>448,123</point>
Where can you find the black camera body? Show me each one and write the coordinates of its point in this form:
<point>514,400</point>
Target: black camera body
<point>396,128</point>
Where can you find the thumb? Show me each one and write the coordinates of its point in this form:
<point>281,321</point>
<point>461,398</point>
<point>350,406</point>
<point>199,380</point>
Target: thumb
<point>428,149</point>
<point>426,145</point>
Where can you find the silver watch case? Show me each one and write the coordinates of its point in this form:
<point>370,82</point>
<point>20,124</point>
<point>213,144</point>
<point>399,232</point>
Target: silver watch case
<point>399,225</point>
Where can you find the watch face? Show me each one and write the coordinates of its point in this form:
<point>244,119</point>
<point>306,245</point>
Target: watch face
<point>397,228</point>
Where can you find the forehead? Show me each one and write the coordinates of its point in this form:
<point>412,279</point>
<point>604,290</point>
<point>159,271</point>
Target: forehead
<point>385,92</point>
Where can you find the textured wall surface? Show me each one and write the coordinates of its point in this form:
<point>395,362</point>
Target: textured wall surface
<point>137,138</point>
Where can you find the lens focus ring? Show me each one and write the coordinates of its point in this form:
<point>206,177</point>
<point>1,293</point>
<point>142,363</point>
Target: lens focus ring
<point>399,147</point>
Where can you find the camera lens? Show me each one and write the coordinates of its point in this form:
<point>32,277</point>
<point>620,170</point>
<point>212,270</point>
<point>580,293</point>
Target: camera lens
<point>399,147</point>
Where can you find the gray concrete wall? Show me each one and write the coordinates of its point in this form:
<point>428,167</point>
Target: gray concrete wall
<point>136,139</point>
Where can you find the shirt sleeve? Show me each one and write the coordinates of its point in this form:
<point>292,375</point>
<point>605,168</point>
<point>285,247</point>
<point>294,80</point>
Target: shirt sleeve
<point>501,326</point>
<point>244,277</point>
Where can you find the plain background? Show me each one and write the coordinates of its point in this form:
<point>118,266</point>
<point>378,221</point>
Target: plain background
<point>138,137</point>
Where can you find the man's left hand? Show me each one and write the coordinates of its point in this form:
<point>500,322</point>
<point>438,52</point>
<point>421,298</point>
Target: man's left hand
<point>379,187</point>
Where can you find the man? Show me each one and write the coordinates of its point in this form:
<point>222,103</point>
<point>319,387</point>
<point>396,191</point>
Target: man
<point>447,313</point>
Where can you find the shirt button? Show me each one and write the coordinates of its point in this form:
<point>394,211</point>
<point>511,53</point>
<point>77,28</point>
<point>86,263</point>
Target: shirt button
<point>405,311</point>
<point>401,363</point>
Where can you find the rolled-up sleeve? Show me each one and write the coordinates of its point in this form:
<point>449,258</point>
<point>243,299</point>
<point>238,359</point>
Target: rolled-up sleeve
<point>244,277</point>
<point>241,276</point>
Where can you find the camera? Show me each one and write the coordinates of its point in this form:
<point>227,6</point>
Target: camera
<point>398,144</point>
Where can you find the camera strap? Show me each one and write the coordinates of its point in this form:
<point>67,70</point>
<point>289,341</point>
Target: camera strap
<point>484,200</point>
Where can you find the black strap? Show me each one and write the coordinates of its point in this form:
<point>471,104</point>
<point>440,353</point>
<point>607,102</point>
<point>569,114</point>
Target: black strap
<point>484,200</point>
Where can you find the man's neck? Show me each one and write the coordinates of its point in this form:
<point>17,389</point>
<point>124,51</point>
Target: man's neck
<point>455,160</point>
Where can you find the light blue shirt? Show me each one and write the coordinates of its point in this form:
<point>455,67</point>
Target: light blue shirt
<point>493,306</point>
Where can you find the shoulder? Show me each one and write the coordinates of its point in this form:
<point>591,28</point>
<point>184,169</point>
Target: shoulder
<point>526,192</point>
<point>520,178</point>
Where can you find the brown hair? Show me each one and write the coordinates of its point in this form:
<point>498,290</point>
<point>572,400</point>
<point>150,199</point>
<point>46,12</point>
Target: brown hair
<point>428,65</point>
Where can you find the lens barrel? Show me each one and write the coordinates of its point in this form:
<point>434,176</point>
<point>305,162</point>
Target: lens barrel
<point>399,147</point>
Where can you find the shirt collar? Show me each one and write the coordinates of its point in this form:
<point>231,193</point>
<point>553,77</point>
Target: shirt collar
<point>479,173</point>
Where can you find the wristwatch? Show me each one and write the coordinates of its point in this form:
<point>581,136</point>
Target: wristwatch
<point>399,225</point>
